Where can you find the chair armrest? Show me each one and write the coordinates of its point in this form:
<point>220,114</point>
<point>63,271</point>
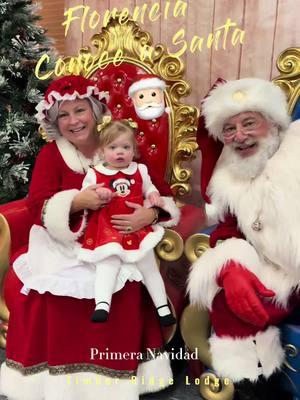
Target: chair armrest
<point>19,221</point>
<point>195,328</point>
<point>15,224</point>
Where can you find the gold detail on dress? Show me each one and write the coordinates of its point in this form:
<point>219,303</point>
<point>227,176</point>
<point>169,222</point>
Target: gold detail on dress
<point>129,242</point>
<point>89,241</point>
<point>170,248</point>
<point>70,369</point>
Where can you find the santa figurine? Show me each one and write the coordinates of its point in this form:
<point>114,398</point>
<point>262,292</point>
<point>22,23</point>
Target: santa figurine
<point>147,94</point>
<point>249,278</point>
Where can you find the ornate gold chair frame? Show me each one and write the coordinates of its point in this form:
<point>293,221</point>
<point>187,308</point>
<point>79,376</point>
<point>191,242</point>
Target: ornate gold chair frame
<point>195,324</point>
<point>132,41</point>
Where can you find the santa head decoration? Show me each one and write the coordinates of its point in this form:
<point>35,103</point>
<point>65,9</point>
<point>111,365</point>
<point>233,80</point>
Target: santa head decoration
<point>68,88</point>
<point>147,93</point>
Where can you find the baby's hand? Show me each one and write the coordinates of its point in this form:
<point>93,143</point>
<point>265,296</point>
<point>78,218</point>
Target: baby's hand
<point>155,200</point>
<point>105,194</point>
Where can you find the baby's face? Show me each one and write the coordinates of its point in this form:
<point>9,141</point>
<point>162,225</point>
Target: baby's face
<point>119,153</point>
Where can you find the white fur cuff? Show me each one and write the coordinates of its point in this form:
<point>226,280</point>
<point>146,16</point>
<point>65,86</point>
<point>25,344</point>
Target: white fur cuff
<point>212,215</point>
<point>154,375</point>
<point>57,214</point>
<point>239,358</point>
<point>173,210</point>
<point>202,282</point>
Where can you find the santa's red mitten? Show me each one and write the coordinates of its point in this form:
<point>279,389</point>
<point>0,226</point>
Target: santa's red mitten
<point>243,291</point>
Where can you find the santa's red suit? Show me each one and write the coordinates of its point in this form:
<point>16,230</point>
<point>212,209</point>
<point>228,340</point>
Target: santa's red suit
<point>60,352</point>
<point>259,232</point>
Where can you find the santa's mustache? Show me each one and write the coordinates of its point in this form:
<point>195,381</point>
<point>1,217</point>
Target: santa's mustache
<point>152,105</point>
<point>247,143</point>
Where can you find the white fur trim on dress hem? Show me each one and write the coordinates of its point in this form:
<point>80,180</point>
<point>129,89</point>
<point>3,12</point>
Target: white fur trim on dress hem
<point>113,248</point>
<point>173,210</point>
<point>75,386</point>
<point>154,375</point>
<point>57,214</point>
<point>202,281</point>
<point>238,358</point>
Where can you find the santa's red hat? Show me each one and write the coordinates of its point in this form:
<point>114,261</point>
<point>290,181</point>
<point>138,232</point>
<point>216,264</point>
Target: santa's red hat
<point>68,88</point>
<point>146,81</point>
<point>248,94</point>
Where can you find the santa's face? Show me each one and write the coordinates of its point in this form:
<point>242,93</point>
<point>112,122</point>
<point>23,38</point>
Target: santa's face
<point>244,132</point>
<point>149,103</point>
<point>119,153</point>
<point>250,140</point>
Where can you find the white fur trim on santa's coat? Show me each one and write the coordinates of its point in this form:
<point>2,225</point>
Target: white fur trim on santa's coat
<point>239,358</point>
<point>155,375</point>
<point>56,216</point>
<point>75,386</point>
<point>202,281</point>
<point>212,215</point>
<point>273,197</point>
<point>171,208</point>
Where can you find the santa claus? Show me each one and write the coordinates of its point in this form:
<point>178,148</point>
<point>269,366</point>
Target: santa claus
<point>250,280</point>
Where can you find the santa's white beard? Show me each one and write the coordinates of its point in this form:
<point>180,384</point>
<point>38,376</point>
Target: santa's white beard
<point>251,166</point>
<point>155,111</point>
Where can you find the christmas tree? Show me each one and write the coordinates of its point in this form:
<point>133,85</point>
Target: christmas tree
<point>23,42</point>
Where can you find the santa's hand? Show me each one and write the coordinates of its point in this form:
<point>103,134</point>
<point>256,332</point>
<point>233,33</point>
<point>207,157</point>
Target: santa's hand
<point>243,291</point>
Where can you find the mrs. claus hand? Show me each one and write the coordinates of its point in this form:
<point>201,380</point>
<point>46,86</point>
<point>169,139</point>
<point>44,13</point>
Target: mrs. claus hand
<point>140,218</point>
<point>88,198</point>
